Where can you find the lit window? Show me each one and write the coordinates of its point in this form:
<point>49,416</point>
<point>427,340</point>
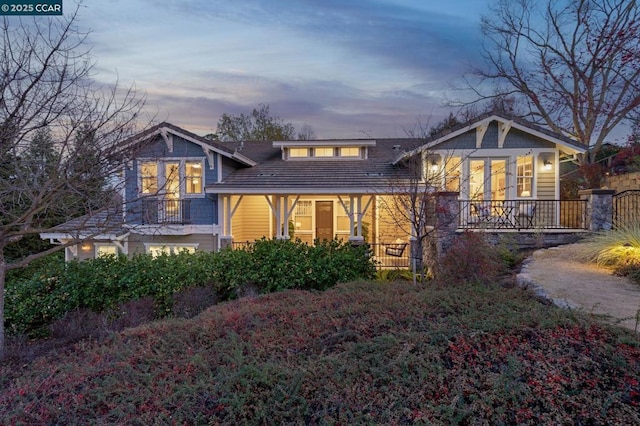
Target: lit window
<point>452,173</point>
<point>193,177</point>
<point>349,151</point>
<point>298,152</point>
<point>106,250</point>
<point>149,178</point>
<point>524,176</point>
<point>323,152</point>
<point>156,250</point>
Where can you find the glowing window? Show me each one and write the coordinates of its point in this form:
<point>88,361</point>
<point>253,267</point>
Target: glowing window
<point>156,250</point>
<point>349,151</point>
<point>524,176</point>
<point>149,178</point>
<point>452,173</point>
<point>298,152</point>
<point>106,250</point>
<point>193,177</point>
<point>323,152</point>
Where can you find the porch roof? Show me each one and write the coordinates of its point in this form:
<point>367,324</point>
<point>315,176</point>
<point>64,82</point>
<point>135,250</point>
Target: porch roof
<point>272,174</point>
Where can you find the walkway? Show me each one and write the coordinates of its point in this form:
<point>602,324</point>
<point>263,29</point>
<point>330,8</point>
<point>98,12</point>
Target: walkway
<point>559,274</point>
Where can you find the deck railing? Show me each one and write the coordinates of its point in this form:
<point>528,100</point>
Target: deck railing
<point>523,214</point>
<point>161,211</point>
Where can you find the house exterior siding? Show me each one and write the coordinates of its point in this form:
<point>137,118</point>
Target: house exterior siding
<point>202,209</point>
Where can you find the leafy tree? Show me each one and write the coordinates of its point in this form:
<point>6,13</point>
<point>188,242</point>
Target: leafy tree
<point>574,64</point>
<point>51,117</point>
<point>259,126</point>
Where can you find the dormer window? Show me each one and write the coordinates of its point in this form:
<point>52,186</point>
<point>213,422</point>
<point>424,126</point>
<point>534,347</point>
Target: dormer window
<point>323,152</point>
<point>352,149</point>
<point>349,151</point>
<point>298,152</point>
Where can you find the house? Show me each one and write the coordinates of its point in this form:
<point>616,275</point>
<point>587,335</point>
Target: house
<point>184,192</point>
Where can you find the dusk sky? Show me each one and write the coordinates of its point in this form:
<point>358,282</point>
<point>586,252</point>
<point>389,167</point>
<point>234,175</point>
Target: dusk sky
<point>347,68</point>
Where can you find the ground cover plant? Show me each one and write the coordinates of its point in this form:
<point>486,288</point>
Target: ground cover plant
<point>363,352</point>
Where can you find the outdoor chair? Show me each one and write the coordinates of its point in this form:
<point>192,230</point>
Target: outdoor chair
<point>526,214</point>
<point>482,211</point>
<point>396,250</point>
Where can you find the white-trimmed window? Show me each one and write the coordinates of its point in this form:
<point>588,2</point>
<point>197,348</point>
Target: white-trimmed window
<point>298,152</point>
<point>452,174</point>
<point>173,177</point>
<point>343,222</point>
<point>349,151</point>
<point>149,177</point>
<point>105,249</point>
<point>524,176</point>
<point>159,249</point>
<point>193,177</point>
<point>323,152</point>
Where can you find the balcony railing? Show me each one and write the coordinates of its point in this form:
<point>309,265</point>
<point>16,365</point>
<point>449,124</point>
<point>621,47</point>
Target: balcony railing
<point>523,214</point>
<point>161,211</point>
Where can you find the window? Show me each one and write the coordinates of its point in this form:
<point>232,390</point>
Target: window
<point>173,178</point>
<point>105,250</point>
<point>156,250</point>
<point>149,178</point>
<point>303,215</point>
<point>298,152</point>
<point>323,152</point>
<point>193,177</point>
<point>350,151</point>
<point>524,176</point>
<point>452,173</point>
<point>342,217</point>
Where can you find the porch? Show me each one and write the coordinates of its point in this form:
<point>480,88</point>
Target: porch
<point>517,215</point>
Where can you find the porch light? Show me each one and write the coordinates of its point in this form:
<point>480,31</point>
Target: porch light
<point>547,165</point>
<point>85,247</point>
<point>434,166</point>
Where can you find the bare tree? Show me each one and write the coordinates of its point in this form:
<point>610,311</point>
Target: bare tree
<point>411,197</point>
<point>306,133</point>
<point>574,64</point>
<point>48,98</point>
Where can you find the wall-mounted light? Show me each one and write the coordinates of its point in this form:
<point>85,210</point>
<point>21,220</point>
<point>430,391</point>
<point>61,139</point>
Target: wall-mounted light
<point>85,247</point>
<point>434,166</point>
<point>547,165</point>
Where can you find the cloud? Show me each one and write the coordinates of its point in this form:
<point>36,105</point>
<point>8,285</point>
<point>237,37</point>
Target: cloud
<point>347,68</point>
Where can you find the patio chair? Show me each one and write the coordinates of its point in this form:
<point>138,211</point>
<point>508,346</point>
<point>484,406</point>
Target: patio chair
<point>526,214</point>
<point>482,211</point>
<point>396,250</point>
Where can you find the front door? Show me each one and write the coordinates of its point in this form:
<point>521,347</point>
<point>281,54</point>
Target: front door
<point>324,220</point>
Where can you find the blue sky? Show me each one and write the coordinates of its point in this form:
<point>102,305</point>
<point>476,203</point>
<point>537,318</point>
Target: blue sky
<point>347,68</point>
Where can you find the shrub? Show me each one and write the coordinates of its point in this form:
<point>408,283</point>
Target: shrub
<point>470,258</point>
<point>618,249</point>
<point>46,292</point>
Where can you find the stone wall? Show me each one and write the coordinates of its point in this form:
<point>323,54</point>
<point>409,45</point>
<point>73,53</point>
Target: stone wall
<point>623,182</point>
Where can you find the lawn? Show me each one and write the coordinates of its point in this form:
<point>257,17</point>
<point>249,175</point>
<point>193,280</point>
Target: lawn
<point>362,352</point>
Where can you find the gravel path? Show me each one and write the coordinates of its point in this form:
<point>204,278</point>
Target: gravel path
<point>559,274</point>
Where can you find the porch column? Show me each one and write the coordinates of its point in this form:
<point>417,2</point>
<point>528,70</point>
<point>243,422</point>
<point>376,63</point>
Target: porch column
<point>228,210</point>
<point>599,215</point>
<point>355,217</point>
<point>281,211</point>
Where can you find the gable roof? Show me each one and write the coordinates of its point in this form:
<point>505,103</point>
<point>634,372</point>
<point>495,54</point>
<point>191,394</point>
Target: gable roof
<point>484,120</point>
<point>164,128</point>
